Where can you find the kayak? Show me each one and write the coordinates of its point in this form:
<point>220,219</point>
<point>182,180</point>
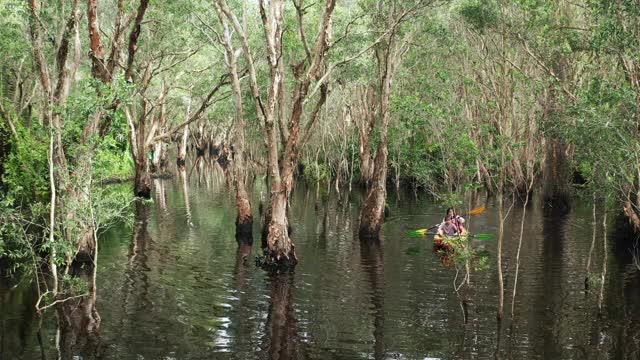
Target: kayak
<point>444,242</point>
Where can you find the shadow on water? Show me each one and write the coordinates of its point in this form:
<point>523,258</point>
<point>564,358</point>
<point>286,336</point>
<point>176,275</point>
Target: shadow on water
<point>17,319</point>
<point>550,299</point>
<point>78,333</point>
<point>622,297</point>
<point>238,337</point>
<point>280,341</point>
<point>136,300</point>
<point>372,261</point>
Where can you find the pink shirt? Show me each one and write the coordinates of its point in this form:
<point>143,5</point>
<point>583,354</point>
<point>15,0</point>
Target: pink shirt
<point>449,228</point>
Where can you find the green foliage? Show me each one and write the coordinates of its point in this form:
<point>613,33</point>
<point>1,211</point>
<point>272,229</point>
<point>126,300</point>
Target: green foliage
<point>451,200</point>
<point>593,280</point>
<point>26,176</point>
<point>111,160</point>
<point>13,27</point>
<point>316,171</point>
<point>480,14</point>
<point>463,253</point>
<point>605,136</point>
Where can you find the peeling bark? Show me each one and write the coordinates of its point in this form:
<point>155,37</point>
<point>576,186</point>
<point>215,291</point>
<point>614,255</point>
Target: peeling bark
<point>283,162</point>
<point>366,110</point>
<point>632,213</point>
<point>133,38</point>
<point>372,213</point>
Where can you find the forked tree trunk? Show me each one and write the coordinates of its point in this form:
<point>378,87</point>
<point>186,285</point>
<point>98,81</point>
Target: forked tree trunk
<point>56,90</point>
<point>281,165</point>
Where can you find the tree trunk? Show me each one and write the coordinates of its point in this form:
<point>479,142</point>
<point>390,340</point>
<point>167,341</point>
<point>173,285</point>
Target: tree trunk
<point>366,120</point>
<point>280,251</point>
<point>142,179</point>
<point>556,183</point>
<point>159,158</point>
<point>630,209</point>
<point>372,214</point>
<point>182,147</point>
<point>244,218</point>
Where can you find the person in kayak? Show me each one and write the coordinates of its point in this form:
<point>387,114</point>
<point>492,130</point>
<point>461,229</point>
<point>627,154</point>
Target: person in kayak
<point>448,227</point>
<point>458,220</point>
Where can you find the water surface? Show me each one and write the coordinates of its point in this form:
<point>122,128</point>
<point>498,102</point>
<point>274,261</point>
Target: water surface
<point>173,286</point>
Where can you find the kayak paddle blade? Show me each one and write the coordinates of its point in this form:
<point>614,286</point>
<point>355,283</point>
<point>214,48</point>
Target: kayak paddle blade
<point>482,236</point>
<point>478,210</point>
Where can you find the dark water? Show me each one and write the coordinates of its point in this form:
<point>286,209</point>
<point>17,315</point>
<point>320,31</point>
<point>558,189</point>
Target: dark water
<point>173,286</point>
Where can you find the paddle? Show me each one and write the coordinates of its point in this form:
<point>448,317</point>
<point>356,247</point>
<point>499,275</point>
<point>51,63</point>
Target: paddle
<point>475,236</point>
<point>474,211</point>
<point>422,231</point>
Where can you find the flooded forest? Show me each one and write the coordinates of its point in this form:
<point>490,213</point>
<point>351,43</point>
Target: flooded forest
<point>356,179</point>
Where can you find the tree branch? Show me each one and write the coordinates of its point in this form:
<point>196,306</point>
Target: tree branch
<point>333,66</point>
<point>303,35</point>
<point>314,115</point>
<point>7,117</point>
<point>133,38</point>
<point>224,80</point>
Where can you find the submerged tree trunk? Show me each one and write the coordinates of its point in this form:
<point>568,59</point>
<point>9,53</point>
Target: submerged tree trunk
<point>522,220</point>
<point>79,325</point>
<point>159,162</point>
<point>182,147</point>
<point>139,151</point>
<point>605,252</point>
<point>500,313</point>
<point>372,214</point>
<point>282,162</point>
<point>142,180</point>
<point>184,140</point>
<point>556,180</point>
<point>244,218</point>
